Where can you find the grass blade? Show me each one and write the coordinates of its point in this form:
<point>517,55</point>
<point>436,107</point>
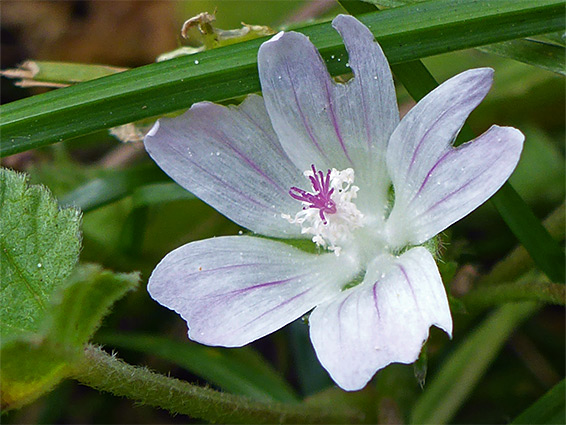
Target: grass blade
<point>406,33</point>
<point>549,409</point>
<point>544,55</point>
<point>462,371</point>
<point>545,251</point>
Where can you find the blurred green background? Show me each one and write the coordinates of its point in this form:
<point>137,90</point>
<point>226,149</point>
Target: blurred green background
<point>136,231</point>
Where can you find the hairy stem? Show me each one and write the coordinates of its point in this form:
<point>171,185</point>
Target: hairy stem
<point>543,291</point>
<point>106,372</point>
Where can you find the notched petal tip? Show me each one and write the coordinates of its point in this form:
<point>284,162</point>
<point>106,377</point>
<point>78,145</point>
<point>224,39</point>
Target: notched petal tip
<point>343,19</point>
<point>342,23</point>
<point>513,135</point>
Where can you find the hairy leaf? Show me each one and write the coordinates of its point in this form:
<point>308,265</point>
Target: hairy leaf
<point>71,317</point>
<point>39,246</point>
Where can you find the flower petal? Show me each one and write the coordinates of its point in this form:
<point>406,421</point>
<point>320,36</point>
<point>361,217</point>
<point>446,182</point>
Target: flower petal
<point>231,159</point>
<point>368,108</point>
<point>429,128</point>
<point>383,320</point>
<point>462,179</point>
<point>436,184</point>
<point>324,123</point>
<point>233,290</point>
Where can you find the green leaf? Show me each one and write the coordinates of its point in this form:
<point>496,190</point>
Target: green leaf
<point>357,7</point>
<point>85,299</point>
<point>240,371</point>
<point>543,55</point>
<point>39,246</point>
<point>420,367</point>
<point>540,176</point>
<point>364,400</point>
<point>31,366</point>
<point>47,315</point>
<point>462,370</point>
<point>549,409</point>
<point>73,314</point>
<point>406,33</point>
<point>518,262</point>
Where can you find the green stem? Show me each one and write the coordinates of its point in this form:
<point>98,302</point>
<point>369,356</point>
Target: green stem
<point>487,296</point>
<point>106,372</point>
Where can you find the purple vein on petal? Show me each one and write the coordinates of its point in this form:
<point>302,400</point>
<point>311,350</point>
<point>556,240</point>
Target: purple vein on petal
<point>431,127</point>
<point>374,291</point>
<point>263,285</point>
<point>406,276</point>
<point>334,121</point>
<point>437,163</point>
<point>224,183</point>
<point>279,306</point>
<point>275,143</point>
<point>307,128</point>
<point>223,268</point>
<point>340,314</point>
<point>247,160</point>
<point>473,179</point>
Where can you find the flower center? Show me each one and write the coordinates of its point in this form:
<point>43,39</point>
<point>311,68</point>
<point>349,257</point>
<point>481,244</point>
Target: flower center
<point>328,211</point>
<point>320,199</point>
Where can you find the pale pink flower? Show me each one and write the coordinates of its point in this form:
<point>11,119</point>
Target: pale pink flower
<point>316,159</point>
